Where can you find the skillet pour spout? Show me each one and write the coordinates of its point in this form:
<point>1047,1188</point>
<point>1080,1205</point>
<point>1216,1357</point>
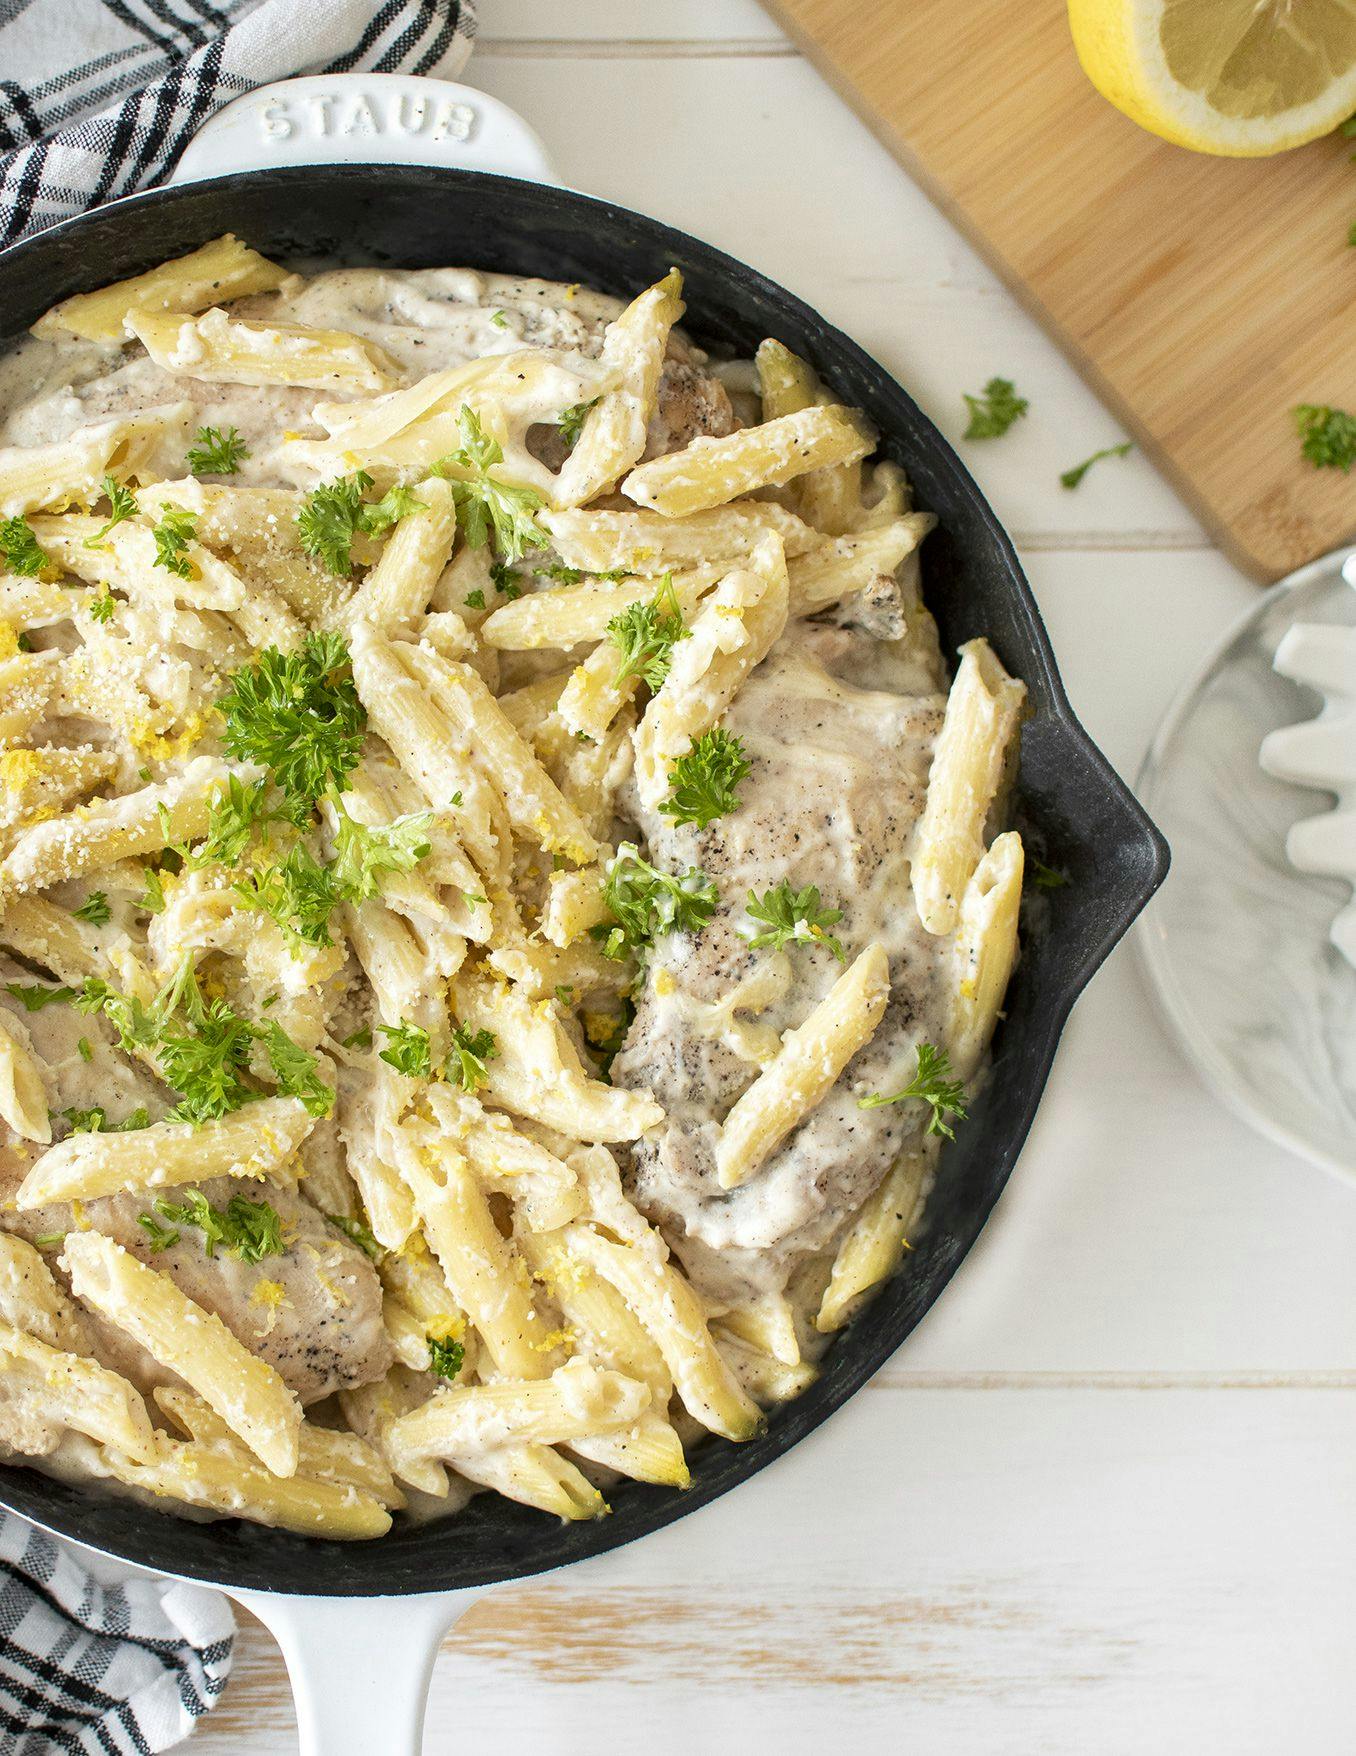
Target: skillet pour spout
<point>1081,817</point>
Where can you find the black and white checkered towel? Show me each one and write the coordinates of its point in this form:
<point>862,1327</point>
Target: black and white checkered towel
<point>105,1670</point>
<point>100,97</point>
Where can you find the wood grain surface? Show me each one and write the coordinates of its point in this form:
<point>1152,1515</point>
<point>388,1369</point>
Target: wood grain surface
<point>1203,298</point>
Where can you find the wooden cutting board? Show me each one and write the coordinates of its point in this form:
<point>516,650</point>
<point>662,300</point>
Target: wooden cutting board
<point>1201,297</point>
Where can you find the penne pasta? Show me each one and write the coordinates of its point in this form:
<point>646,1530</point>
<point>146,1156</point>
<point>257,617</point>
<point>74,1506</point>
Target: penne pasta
<point>983,713</point>
<point>711,472</point>
<point>226,350</point>
<point>224,269</point>
<point>806,1068</point>
<point>244,1390</point>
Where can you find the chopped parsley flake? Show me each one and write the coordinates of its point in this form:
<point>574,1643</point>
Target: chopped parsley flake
<point>152,899</point>
<point>248,1230</point>
<point>784,916</point>
<point>486,506</point>
<point>96,1122</point>
<point>33,998</point>
<point>216,451</point>
<point>571,420</point>
<point>298,894</point>
<point>445,1356</point>
<point>20,549</point>
<point>1327,436</point>
<point>357,1233</point>
<point>470,1051</point>
<point>331,518</point>
<point>1047,877</point>
<point>122,504</point>
<point>932,1084</point>
<point>646,634</point>
<point>299,715</point>
<point>363,853</point>
<point>408,1050</point>
<point>94,909</point>
<point>1072,477</point>
<point>176,530</point>
<point>705,782</point>
<point>994,410</point>
<point>646,903</point>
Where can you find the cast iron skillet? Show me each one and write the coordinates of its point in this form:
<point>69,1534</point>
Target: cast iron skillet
<point>1076,811</point>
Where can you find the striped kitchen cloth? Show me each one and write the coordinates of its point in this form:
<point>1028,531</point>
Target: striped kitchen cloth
<point>100,97</point>
<point>106,1670</point>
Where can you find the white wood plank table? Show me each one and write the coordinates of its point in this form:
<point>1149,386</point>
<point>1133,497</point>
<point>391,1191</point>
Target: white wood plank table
<point>1104,1500</point>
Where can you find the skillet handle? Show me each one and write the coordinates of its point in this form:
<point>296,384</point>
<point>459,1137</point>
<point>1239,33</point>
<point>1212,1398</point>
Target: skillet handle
<point>365,119</point>
<point>359,1667</point>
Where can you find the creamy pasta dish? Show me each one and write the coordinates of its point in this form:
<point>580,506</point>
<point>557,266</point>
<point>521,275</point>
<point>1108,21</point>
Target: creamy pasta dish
<point>500,901</point>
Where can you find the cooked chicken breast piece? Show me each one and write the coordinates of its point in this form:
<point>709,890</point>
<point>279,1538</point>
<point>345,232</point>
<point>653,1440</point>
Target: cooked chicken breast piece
<point>838,778</point>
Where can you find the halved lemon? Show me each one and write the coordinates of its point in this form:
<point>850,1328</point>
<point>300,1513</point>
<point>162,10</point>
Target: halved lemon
<point>1239,77</point>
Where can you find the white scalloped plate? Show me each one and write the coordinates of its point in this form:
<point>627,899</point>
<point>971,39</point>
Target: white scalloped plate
<point>1237,943</point>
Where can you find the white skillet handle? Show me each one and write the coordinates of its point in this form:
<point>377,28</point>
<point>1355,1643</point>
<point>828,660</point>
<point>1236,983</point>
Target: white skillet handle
<point>359,1667</point>
<point>365,119</point>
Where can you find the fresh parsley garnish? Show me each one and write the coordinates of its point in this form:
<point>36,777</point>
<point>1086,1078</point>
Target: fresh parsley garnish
<point>237,811</point>
<point>645,636</point>
<point>161,1236</point>
<point>1072,477</point>
<point>505,580</point>
<point>94,909</point>
<point>784,916</point>
<point>994,410</point>
<point>357,1039</point>
<point>396,503</point>
<point>295,1070</point>
<point>298,894</point>
<point>336,513</point>
<point>564,575</point>
<point>933,1085</point>
<point>152,899</point>
<point>362,853</point>
<point>203,1048</point>
<point>20,548</point>
<point>102,605</point>
<point>465,1065</point>
<point>176,530</point>
<point>33,998</point>
<point>95,1121</point>
<point>408,1050</point>
<point>485,505</point>
<point>705,782</point>
<point>299,715</point>
<point>216,451</point>
<point>571,420</point>
<point>1327,435</point>
<point>646,903</point>
<point>499,320</point>
<point>475,600</point>
<point>85,1049</point>
<point>248,1230</point>
<point>357,1233</point>
<point>1047,877</point>
<point>445,1356</point>
<point>122,504</point>
<point>331,518</point>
